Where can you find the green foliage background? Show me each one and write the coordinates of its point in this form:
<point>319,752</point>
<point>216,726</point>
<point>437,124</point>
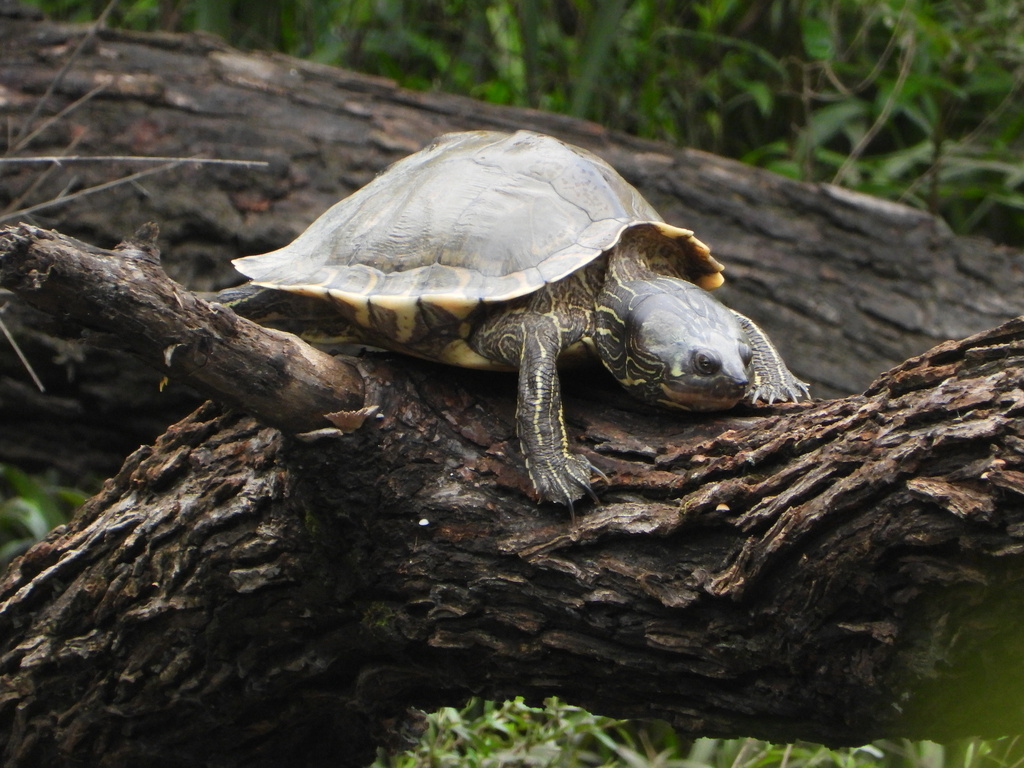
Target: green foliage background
<point>918,101</point>
<point>556,735</point>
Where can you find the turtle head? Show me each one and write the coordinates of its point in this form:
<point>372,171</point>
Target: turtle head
<point>669,343</point>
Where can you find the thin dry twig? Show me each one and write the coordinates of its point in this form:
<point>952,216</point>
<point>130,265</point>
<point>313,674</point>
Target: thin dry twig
<point>90,190</point>
<point>38,181</point>
<point>17,350</point>
<point>883,115</point>
<point>168,164</point>
<point>23,141</point>
<point>870,78</point>
<point>62,159</point>
<point>23,136</point>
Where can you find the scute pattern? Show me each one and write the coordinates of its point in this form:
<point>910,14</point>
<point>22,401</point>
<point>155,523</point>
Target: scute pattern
<point>478,216</point>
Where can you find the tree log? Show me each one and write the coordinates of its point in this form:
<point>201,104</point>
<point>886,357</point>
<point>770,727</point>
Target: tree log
<point>837,571</point>
<point>848,286</point>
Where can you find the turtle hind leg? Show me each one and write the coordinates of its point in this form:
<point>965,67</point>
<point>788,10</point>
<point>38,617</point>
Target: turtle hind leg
<point>266,306</point>
<point>532,341</point>
<point>311,318</point>
<point>771,381</point>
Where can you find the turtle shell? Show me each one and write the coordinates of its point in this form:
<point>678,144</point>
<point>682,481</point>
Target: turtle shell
<point>476,217</point>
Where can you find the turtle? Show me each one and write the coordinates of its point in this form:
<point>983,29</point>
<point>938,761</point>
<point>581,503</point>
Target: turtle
<point>519,252</point>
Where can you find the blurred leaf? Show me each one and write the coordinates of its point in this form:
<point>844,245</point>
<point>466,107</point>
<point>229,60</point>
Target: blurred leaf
<point>762,96</point>
<point>596,49</point>
<point>833,120</point>
<point>817,38</point>
<point>30,507</point>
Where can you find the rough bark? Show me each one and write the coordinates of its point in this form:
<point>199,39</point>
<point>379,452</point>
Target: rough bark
<point>848,286</point>
<point>125,298</point>
<point>838,571</point>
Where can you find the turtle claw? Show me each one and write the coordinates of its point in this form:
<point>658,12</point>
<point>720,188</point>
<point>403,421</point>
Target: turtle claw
<point>785,388</point>
<point>772,380</point>
<point>564,479</point>
<point>791,391</point>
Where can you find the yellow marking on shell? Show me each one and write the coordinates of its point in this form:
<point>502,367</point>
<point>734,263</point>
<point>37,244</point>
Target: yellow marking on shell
<point>404,312</point>
<point>699,252</point>
<point>674,232</point>
<point>678,233</point>
<point>459,306</point>
<point>360,306</point>
<point>712,281</point>
<point>315,291</point>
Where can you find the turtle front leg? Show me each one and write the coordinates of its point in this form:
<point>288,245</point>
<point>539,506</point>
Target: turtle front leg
<point>532,342</point>
<point>557,473</point>
<point>772,380</point>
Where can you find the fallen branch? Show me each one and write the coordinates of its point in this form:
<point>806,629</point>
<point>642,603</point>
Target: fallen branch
<point>126,294</point>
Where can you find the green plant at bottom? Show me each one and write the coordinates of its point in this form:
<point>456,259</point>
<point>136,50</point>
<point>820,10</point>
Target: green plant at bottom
<point>30,506</point>
<point>486,734</point>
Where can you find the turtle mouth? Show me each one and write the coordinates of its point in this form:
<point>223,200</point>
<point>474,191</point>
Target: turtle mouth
<point>720,397</point>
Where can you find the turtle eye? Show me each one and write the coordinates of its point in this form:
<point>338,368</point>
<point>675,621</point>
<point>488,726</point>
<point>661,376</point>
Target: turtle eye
<point>706,363</point>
